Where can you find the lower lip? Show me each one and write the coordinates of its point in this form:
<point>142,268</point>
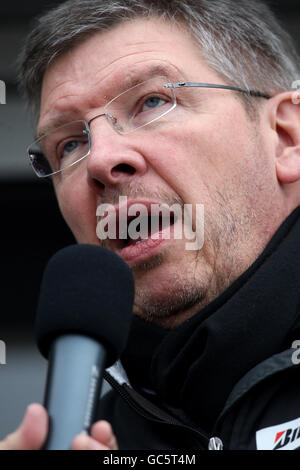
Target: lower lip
<point>143,250</point>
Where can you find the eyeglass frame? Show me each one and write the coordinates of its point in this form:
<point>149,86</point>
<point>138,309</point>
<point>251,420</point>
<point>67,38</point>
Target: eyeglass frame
<point>252,93</point>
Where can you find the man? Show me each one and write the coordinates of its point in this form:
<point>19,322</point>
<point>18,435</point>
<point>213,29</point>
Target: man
<point>208,119</point>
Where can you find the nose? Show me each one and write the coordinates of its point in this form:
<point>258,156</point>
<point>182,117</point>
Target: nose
<point>114,158</point>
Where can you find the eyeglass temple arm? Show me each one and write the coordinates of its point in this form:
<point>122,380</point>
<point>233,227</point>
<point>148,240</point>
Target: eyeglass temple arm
<point>209,85</point>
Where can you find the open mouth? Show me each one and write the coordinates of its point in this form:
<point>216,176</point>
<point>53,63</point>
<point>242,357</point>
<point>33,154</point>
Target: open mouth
<point>140,229</point>
<point>137,230</point>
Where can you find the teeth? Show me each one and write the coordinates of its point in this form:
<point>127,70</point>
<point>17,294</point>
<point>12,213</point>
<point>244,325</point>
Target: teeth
<point>139,241</point>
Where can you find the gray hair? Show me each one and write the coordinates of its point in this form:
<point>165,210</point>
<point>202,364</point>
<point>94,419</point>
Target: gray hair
<point>239,39</point>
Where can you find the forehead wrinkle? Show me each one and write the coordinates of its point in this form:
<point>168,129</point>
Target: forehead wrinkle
<point>56,100</point>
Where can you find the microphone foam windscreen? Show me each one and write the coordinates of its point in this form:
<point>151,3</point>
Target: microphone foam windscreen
<point>86,290</point>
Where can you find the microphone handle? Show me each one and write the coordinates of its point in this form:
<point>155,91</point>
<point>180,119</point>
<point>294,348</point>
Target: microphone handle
<point>76,366</point>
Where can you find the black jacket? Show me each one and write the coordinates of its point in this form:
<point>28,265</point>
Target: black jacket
<point>226,378</point>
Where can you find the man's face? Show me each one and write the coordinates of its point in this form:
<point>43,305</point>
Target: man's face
<point>207,152</point>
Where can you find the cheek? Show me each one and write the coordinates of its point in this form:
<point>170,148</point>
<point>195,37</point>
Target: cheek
<point>199,161</point>
<point>78,208</point>
<point>190,161</point>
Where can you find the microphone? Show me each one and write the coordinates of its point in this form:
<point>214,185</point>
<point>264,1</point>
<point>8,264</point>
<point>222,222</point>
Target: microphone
<point>83,319</point>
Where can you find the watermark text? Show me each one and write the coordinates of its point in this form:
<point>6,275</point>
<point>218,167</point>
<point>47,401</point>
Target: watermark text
<point>140,221</point>
<point>296,353</point>
<point>296,94</point>
<point>2,92</point>
<point>2,352</point>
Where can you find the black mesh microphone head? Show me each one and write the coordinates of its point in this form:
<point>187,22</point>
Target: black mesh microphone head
<point>86,290</point>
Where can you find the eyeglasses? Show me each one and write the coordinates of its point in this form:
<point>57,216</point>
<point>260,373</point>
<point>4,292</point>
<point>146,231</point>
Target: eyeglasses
<point>140,106</point>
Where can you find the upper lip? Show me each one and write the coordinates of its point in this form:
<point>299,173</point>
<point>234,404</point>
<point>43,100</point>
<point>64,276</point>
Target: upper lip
<point>117,243</point>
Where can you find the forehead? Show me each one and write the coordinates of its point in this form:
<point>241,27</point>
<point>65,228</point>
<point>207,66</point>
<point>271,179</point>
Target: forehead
<point>99,68</point>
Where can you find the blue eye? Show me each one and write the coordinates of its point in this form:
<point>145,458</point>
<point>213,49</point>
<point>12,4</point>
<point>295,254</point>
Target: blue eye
<point>153,102</point>
<point>69,147</point>
<point>72,148</point>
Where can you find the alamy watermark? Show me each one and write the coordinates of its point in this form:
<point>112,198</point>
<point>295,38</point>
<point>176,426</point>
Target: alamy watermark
<point>141,221</point>
<point>2,352</point>
<point>296,353</point>
<point>2,92</point>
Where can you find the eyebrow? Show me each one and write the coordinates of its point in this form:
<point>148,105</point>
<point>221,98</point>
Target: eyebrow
<point>54,123</point>
<point>158,70</point>
<point>130,81</point>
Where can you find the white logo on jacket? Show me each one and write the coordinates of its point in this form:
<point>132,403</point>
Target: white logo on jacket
<point>285,436</point>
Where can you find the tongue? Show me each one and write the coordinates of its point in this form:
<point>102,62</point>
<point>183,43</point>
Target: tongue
<point>163,223</point>
<point>133,242</point>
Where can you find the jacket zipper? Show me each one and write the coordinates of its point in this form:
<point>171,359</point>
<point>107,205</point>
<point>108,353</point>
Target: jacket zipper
<point>208,443</point>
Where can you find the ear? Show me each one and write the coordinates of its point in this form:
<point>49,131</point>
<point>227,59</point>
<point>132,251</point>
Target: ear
<point>287,126</point>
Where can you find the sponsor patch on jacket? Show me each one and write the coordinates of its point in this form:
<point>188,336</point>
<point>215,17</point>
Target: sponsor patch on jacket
<point>285,436</point>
